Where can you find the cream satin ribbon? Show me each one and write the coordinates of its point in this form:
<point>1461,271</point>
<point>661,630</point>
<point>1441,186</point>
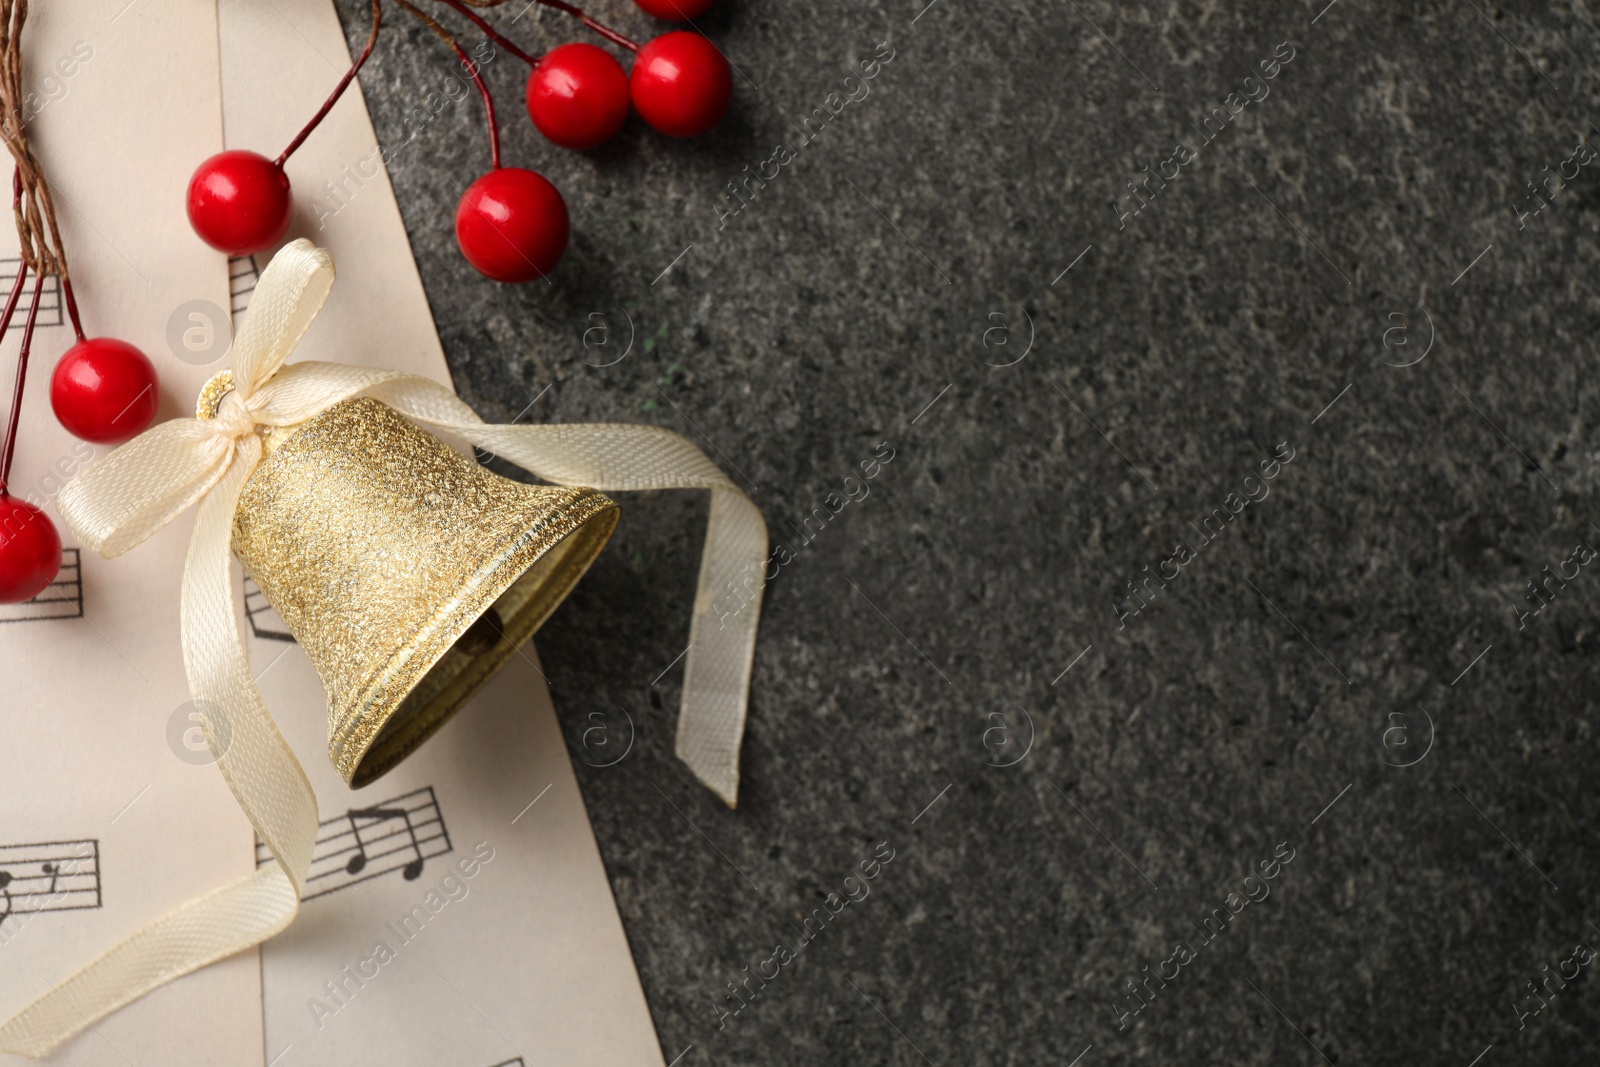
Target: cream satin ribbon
<point>149,481</point>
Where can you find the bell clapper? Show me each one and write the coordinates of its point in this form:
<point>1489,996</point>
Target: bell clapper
<point>482,635</point>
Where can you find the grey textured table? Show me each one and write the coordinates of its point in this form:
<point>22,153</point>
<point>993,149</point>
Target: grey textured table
<point>1076,375</point>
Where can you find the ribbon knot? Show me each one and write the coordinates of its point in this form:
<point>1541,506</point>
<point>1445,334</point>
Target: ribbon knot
<point>234,418</point>
<point>204,462</point>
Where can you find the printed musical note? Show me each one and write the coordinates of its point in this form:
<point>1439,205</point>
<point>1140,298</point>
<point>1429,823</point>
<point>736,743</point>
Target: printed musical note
<point>62,599</point>
<point>242,276</point>
<point>400,834</point>
<point>264,622</point>
<point>49,876</point>
<point>49,300</point>
<point>358,862</point>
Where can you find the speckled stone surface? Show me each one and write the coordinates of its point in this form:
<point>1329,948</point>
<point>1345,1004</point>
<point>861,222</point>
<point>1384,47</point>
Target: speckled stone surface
<point>1069,776</point>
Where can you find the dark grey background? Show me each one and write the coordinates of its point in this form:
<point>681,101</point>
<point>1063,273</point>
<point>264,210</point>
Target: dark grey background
<point>857,300</point>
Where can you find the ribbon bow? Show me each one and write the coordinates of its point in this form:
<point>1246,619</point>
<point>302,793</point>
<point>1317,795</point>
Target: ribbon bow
<point>204,462</point>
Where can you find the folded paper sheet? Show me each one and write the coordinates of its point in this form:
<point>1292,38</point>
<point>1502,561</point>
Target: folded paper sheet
<point>112,816</point>
<point>458,912</point>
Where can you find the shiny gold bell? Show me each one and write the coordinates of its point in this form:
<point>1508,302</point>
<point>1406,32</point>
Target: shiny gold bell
<point>408,573</point>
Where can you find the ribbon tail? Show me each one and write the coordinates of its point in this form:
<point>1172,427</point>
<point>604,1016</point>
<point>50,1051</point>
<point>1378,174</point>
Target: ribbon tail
<point>722,642</point>
<point>265,777</point>
<point>727,603</point>
<point>201,931</point>
<point>727,607</point>
<point>143,485</point>
<point>256,762</point>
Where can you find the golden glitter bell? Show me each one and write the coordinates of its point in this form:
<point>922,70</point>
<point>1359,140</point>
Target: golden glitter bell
<point>407,572</point>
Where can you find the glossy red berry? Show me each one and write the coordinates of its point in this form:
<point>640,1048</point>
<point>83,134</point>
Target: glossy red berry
<point>675,9</point>
<point>239,202</point>
<point>512,225</point>
<point>681,84</point>
<point>30,550</point>
<point>578,96</point>
<point>104,390</point>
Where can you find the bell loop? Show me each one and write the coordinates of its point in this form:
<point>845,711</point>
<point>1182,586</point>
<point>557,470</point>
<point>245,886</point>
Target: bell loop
<point>209,401</point>
<point>219,404</point>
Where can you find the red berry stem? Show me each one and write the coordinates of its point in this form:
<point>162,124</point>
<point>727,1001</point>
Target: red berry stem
<point>22,364</point>
<point>472,72</point>
<point>333,98</point>
<point>16,403</point>
<point>493,34</point>
<point>72,308</point>
<point>578,13</point>
<point>22,356</point>
<point>598,27</point>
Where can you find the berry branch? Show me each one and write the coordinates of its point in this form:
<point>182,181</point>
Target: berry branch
<point>38,237</point>
<point>511,223</point>
<point>103,390</point>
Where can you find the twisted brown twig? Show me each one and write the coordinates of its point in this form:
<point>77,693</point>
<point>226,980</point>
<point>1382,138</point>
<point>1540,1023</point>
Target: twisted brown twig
<point>35,212</point>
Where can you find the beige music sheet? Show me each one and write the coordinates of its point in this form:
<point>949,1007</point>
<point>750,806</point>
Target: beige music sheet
<point>109,819</point>
<point>458,913</point>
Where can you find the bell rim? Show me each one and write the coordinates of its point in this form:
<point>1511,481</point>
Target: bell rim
<point>355,727</point>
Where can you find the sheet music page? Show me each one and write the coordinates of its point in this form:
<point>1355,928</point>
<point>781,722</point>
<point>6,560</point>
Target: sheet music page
<point>458,912</point>
<point>109,820</point>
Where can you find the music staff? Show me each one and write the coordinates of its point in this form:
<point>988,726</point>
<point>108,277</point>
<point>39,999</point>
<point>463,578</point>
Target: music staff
<point>62,599</point>
<point>49,876</point>
<point>242,276</point>
<point>49,301</point>
<point>400,834</point>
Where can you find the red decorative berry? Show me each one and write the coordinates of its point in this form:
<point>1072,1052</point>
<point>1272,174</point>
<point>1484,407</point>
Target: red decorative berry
<point>681,84</point>
<point>512,225</point>
<point>30,550</point>
<point>677,10</point>
<point>104,390</point>
<point>239,202</point>
<point>578,96</point>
